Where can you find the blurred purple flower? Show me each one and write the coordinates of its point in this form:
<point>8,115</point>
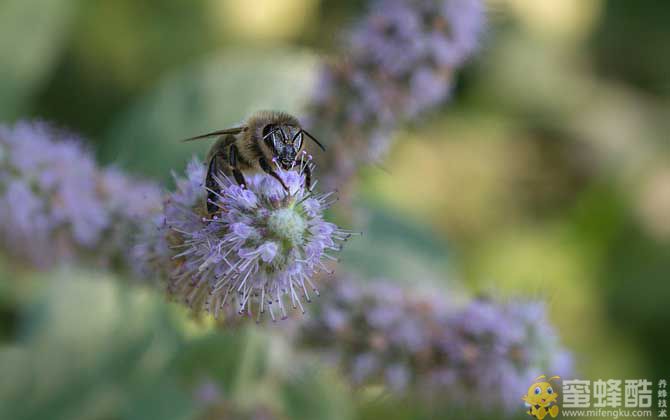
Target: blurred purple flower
<point>399,62</point>
<point>152,253</point>
<point>57,205</point>
<point>215,405</point>
<point>484,353</point>
<point>207,392</point>
<point>259,251</point>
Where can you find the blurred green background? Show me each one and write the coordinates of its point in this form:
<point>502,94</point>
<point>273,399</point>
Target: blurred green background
<point>547,175</point>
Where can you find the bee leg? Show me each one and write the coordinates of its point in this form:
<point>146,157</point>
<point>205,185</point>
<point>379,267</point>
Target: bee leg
<point>268,170</point>
<point>232,160</point>
<point>239,178</point>
<point>213,170</point>
<point>308,177</point>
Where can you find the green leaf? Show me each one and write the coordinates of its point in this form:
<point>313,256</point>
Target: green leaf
<point>394,248</point>
<point>91,350</point>
<point>314,394</point>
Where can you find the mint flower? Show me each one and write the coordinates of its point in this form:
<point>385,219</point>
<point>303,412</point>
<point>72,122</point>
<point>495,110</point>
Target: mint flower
<point>258,252</point>
<point>380,333</point>
<point>152,252</point>
<point>399,62</point>
<point>57,205</point>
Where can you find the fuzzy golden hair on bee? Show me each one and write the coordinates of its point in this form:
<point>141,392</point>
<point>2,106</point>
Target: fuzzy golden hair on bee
<point>265,139</point>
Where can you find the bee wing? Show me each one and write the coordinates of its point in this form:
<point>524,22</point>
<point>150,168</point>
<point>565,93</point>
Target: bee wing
<point>233,131</point>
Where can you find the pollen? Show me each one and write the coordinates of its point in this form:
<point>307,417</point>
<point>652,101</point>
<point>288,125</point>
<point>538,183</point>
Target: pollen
<point>288,225</point>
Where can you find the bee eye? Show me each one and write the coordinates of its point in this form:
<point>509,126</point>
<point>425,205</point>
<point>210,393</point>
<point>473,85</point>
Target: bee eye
<point>538,391</point>
<point>267,130</point>
<point>297,144</point>
<point>272,137</point>
<point>550,391</point>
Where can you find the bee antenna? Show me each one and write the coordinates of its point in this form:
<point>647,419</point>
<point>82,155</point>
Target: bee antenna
<point>313,139</point>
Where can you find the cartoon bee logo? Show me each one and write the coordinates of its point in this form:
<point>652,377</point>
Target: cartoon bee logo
<point>541,398</point>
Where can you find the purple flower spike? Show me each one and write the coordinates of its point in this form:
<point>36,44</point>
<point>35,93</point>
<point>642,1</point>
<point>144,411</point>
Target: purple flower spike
<point>57,205</point>
<point>258,253</point>
<point>399,61</point>
<point>381,333</point>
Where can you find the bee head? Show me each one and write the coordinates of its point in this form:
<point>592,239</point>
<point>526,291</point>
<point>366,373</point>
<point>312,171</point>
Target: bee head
<point>285,142</point>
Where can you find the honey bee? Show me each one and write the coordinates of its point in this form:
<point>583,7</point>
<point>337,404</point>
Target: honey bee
<point>266,137</point>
